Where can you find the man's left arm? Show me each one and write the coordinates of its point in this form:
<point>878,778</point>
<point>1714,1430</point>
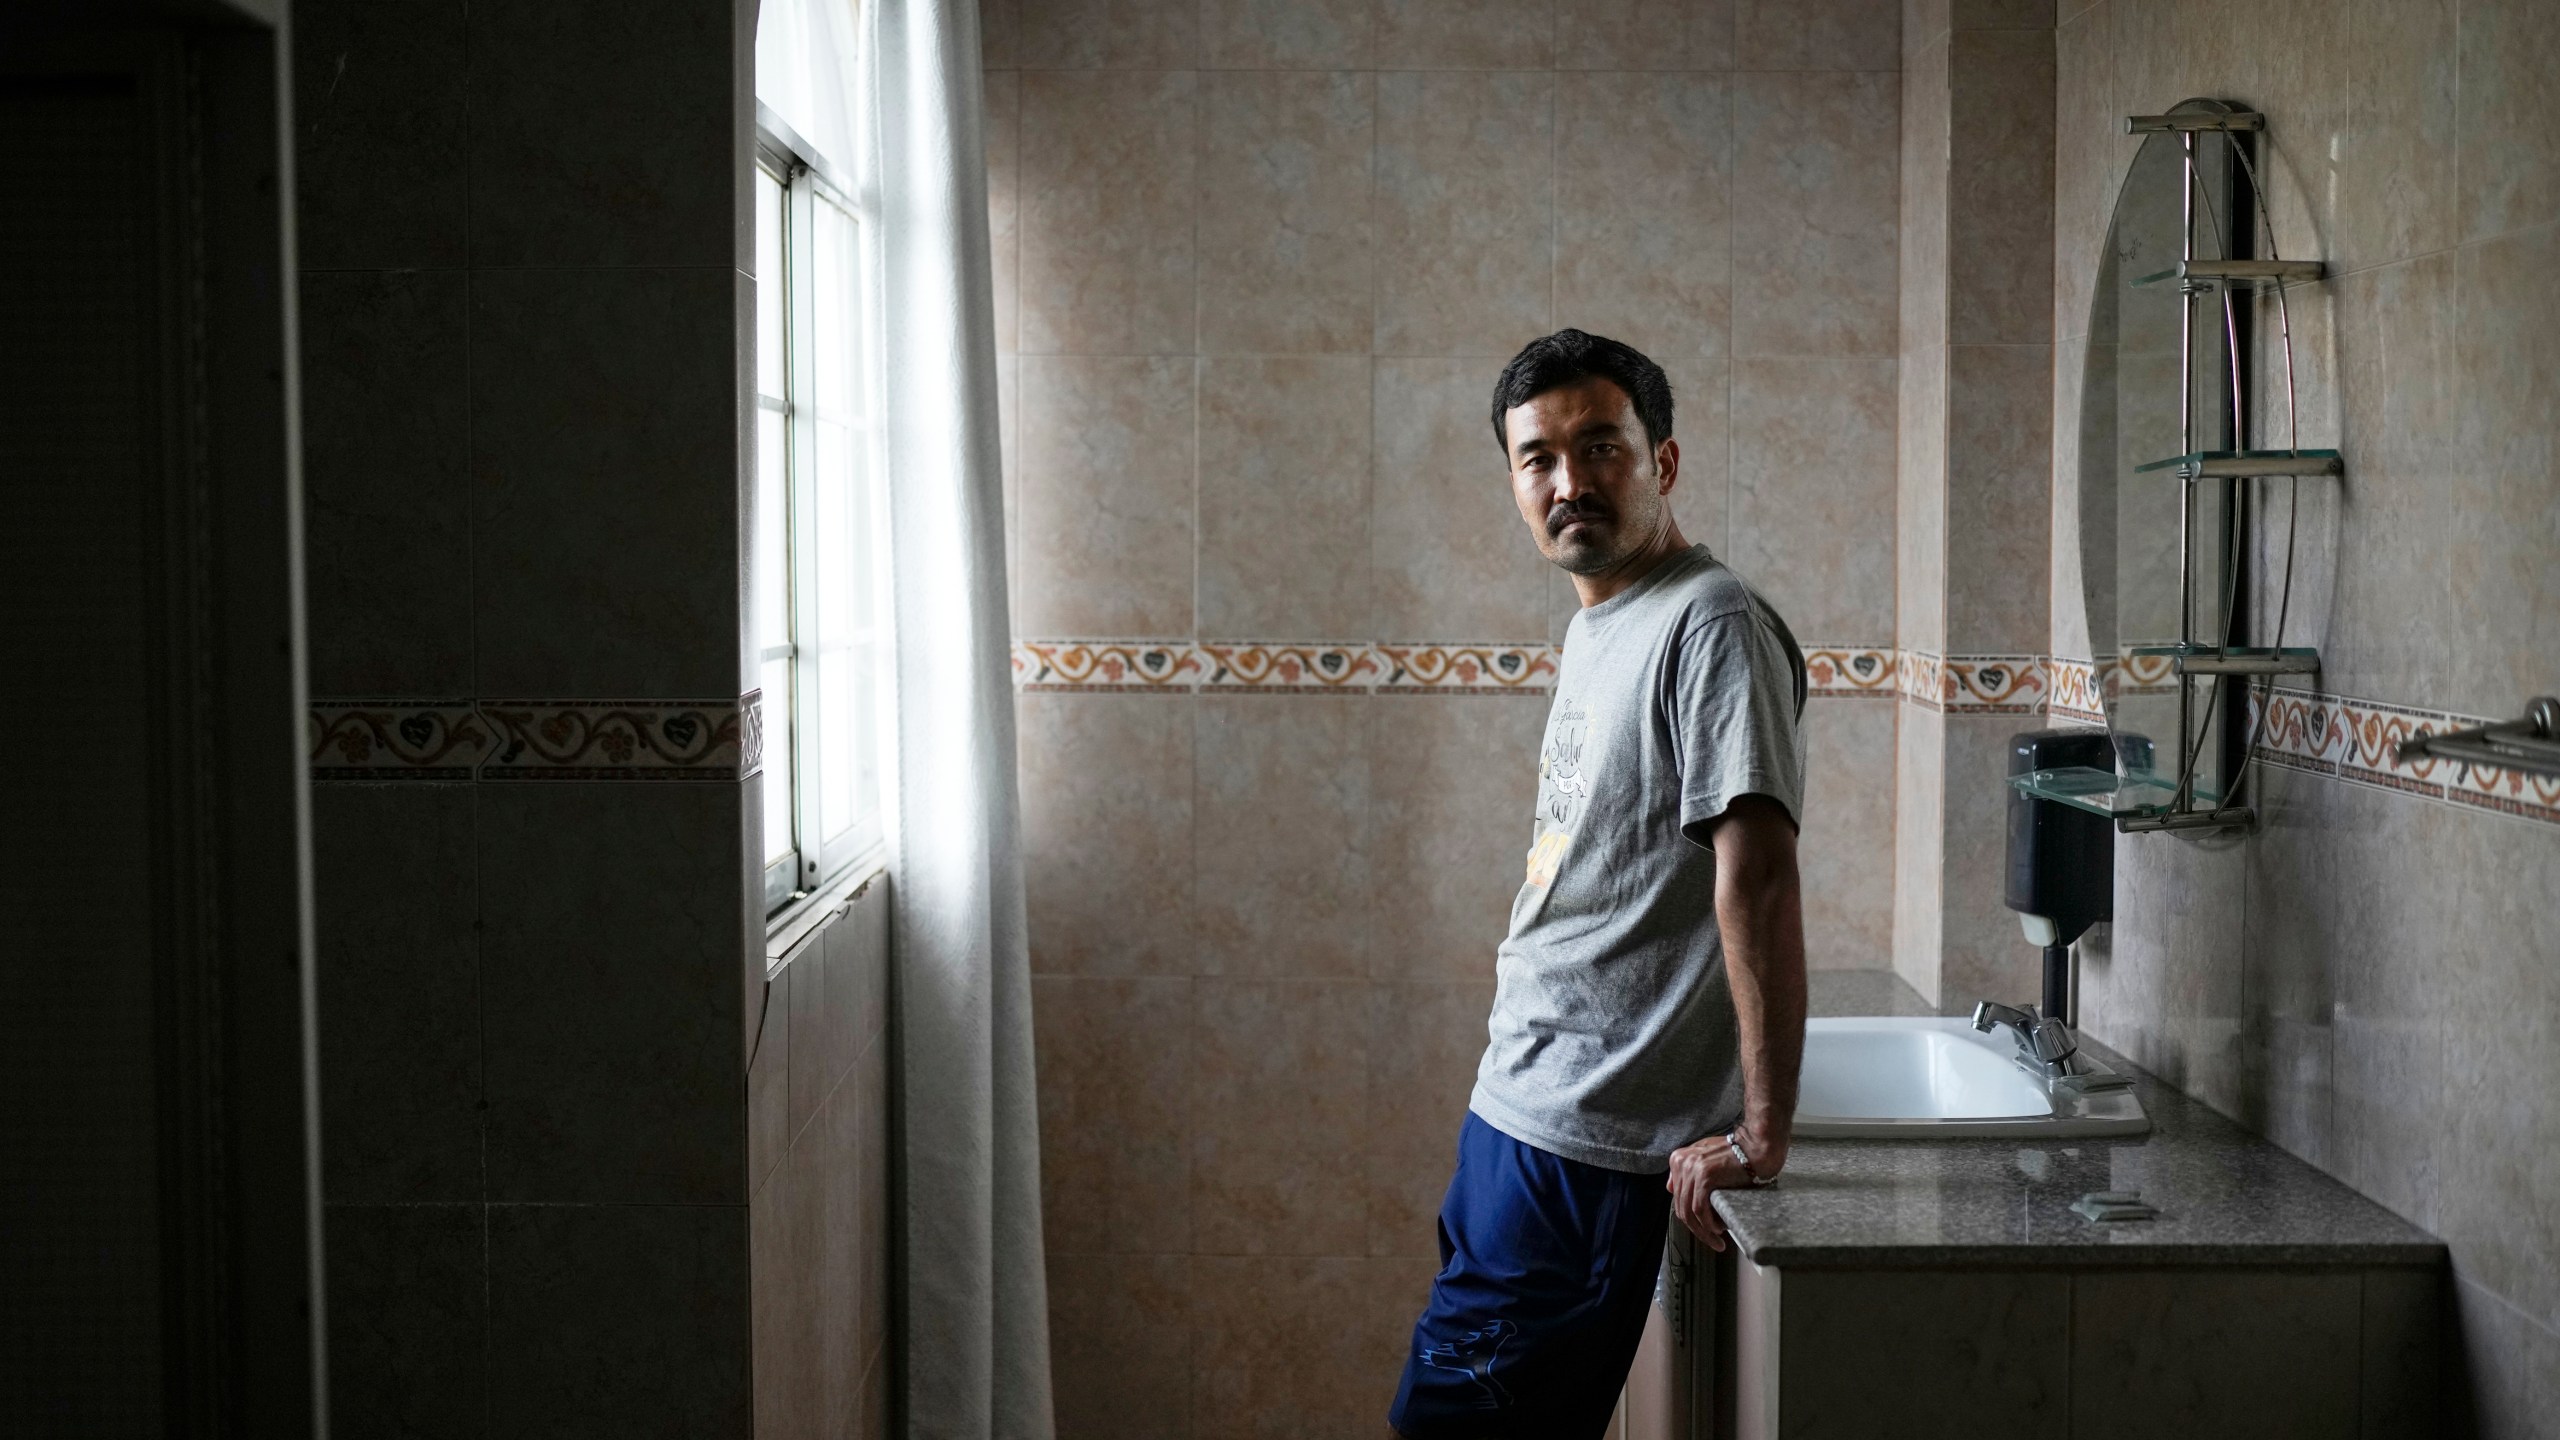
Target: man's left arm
<point>1760,915</point>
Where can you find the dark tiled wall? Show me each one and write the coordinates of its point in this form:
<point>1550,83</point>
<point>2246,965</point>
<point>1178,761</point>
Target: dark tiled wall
<point>522,253</point>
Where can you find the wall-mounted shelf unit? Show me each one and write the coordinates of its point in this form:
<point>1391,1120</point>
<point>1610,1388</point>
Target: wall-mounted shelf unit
<point>2190,357</point>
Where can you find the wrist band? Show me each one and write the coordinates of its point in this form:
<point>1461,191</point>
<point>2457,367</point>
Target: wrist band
<point>1741,1157</point>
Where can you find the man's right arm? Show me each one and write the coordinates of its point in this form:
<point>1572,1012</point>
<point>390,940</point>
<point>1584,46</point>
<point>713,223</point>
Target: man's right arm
<point>1760,915</point>
<point>1760,910</point>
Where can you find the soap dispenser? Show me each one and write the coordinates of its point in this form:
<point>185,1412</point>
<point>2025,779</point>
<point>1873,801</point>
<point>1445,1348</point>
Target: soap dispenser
<point>2061,876</point>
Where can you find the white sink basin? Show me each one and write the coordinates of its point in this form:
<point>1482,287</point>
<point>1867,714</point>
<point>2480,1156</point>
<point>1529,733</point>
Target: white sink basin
<point>1919,1077</point>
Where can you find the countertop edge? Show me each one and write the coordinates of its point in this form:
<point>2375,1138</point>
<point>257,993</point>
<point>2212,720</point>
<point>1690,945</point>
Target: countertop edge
<point>2098,1256</point>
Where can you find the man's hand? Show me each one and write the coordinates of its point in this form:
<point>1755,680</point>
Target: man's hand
<point>1697,1171</point>
<point>1759,913</point>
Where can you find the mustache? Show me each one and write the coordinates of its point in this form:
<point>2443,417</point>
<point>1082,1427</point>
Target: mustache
<point>1559,516</point>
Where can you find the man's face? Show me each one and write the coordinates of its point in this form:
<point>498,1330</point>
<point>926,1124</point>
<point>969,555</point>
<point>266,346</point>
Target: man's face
<point>1590,487</point>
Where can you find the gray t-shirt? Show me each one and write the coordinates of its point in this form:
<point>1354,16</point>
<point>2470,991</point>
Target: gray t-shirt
<point>1613,1034</point>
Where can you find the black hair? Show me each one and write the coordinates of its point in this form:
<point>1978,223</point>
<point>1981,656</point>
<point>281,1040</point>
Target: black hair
<point>1552,361</point>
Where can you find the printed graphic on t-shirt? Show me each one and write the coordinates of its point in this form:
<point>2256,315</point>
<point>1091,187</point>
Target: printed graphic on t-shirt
<point>1563,789</point>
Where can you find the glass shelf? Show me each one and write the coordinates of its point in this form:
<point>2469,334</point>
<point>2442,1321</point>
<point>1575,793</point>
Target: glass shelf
<point>2236,274</point>
<point>2235,660</point>
<point>2246,464</point>
<point>2104,792</point>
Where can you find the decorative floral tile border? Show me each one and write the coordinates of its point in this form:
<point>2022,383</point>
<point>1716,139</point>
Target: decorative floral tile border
<point>1973,684</point>
<point>1485,669</point>
<point>614,740</point>
<point>1385,667</point>
<point>1852,670</point>
<point>1919,677</point>
<point>2131,674</point>
<point>2355,741</point>
<point>2514,792</point>
<point>751,733</point>
<point>396,739</point>
<point>2343,738</point>
<point>1107,665</point>
<point>1993,685</point>
<point>2074,693</point>
<point>535,740</point>
<point>1317,667</point>
<point>2329,735</point>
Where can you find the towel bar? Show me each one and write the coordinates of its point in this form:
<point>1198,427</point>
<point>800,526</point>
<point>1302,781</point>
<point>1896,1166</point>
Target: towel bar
<point>2532,743</point>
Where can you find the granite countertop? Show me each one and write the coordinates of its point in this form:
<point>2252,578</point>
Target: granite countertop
<point>2225,1196</point>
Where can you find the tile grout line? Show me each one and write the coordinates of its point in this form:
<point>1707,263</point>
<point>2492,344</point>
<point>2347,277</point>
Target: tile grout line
<point>1193,720</point>
<point>1732,287</point>
<point>479,914</point>
<point>2070,1340</point>
<point>2459,6</point>
<point>1011,463</point>
<point>1369,597</point>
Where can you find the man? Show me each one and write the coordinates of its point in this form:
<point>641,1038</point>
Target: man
<point>1649,1019</point>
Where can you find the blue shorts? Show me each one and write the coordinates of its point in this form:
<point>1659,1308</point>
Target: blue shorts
<point>1547,1267</point>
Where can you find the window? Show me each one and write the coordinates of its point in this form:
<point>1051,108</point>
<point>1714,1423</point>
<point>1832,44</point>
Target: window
<point>819,532</point>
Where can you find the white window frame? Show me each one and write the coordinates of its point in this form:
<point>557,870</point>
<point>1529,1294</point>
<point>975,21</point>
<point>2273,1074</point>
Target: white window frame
<point>810,871</point>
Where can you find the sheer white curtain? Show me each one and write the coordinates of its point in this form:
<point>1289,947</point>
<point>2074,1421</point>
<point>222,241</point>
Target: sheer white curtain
<point>974,1291</point>
<point>806,58</point>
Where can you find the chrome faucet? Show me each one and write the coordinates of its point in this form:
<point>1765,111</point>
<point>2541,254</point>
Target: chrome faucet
<point>2044,1042</point>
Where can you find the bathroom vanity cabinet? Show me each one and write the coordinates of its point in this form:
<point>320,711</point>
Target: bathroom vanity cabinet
<point>2153,1350</point>
<point>1919,1289</point>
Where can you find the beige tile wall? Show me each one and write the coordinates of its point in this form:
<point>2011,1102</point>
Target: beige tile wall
<point>2368,977</point>
<point>1974,467</point>
<point>818,1181</point>
<point>1257,264</point>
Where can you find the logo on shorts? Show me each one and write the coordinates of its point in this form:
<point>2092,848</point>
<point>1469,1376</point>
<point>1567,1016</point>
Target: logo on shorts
<point>1473,1355</point>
